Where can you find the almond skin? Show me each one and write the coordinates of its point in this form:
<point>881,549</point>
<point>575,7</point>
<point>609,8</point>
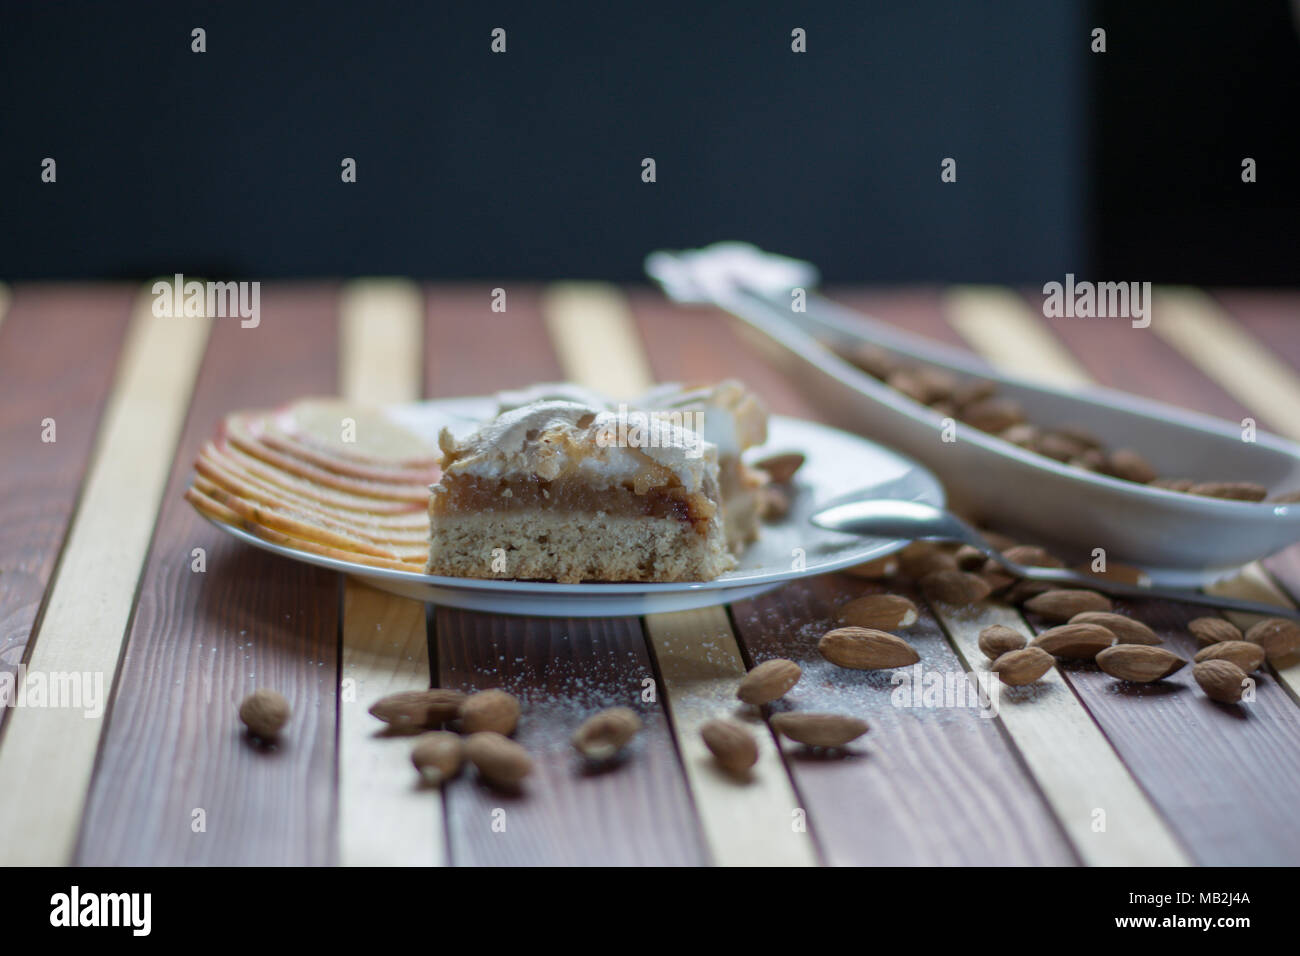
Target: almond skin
<point>1031,555</point>
<point>819,730</point>
<point>438,755</point>
<point>264,712</point>
<point>881,612</point>
<point>1139,663</point>
<point>1231,490</point>
<point>1127,630</point>
<point>1062,604</point>
<point>604,734</point>
<point>1212,630</point>
<point>500,761</point>
<point>1278,636</point>
<point>954,587</point>
<point>415,710</point>
<point>781,468</point>
<point>866,649</point>
<point>491,710</point>
<point>732,745</point>
<point>769,681</point>
<point>875,569</point>
<point>1081,642</point>
<point>1023,666</point>
<point>996,640</point>
<point>1221,680</point>
<point>924,557</point>
<point>1249,657</point>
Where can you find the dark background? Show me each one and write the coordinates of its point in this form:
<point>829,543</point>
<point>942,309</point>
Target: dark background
<point>1124,165</point>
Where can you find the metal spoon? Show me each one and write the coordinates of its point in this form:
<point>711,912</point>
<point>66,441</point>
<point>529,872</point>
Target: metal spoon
<point>916,521</point>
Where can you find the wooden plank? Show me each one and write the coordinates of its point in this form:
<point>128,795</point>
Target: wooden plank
<point>201,641</point>
<point>6,299</point>
<point>997,321</point>
<point>40,480</point>
<point>637,813</point>
<point>934,782</point>
<point>51,749</point>
<point>1225,760</point>
<point>385,817</point>
<point>1195,325</point>
<point>596,338</point>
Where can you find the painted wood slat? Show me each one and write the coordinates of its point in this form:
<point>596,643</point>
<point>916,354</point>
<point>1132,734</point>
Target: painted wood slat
<point>385,817</point>
<point>52,749</point>
<point>200,642</point>
<point>599,346</point>
<point>40,480</point>
<point>997,321</point>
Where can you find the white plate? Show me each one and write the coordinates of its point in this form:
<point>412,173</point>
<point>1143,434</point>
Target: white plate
<point>838,466</point>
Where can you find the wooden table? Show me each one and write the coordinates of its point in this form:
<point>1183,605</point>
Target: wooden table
<point>104,568</point>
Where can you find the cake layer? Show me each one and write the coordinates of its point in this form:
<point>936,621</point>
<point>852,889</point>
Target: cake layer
<point>570,548</point>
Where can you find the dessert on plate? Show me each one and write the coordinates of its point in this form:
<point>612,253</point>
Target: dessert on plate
<point>570,491</point>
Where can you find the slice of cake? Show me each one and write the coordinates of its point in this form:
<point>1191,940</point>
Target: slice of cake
<point>734,419</point>
<point>565,491</point>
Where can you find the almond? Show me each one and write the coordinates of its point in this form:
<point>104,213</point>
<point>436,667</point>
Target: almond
<point>1173,484</point>
<point>732,745</point>
<point>438,755</point>
<point>1023,666</point>
<point>500,761</point>
<point>414,710</point>
<point>493,710</point>
<point>1212,630</point>
<point>781,468</point>
<point>969,558</point>
<point>1128,465</point>
<point>1221,680</point>
<point>1075,641</point>
<point>998,581</point>
<point>993,415</point>
<point>1061,604</point>
<point>1286,498</point>
<point>1279,637</point>
<point>996,640</point>
<point>775,502</point>
<point>1231,490</point>
<point>603,735</point>
<point>819,730</point>
<point>264,712</point>
<point>1249,657</point>
<point>1125,629</point>
<point>866,649</point>
<point>1024,589</point>
<point>974,390</point>
<point>958,588</point>
<point>884,612</point>
<point>769,681</point>
<point>873,360</point>
<point>1028,554</point>
<point>923,557</point>
<point>1138,663</point>
<point>876,568</point>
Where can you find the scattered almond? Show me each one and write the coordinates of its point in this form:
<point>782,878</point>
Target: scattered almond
<point>876,568</point>
<point>1075,641</point>
<point>604,734</point>
<point>1212,630</point>
<point>873,360</point>
<point>732,745</point>
<point>1125,629</point>
<point>769,681</point>
<point>959,588</point>
<point>1279,637</point>
<point>1023,666</point>
<point>997,639</point>
<point>924,557</point>
<point>1023,590</point>
<point>1028,554</point>
<point>973,390</point>
<point>969,558</point>
<point>1062,604</point>
<point>493,710</point>
<point>1129,465</point>
<point>414,710</point>
<point>993,415</point>
<point>775,502</point>
<point>1231,490</point>
<point>264,712</point>
<point>438,755</point>
<point>1249,657</point>
<point>819,730</point>
<point>781,468</point>
<point>998,581</point>
<point>866,649</point>
<point>1220,679</point>
<point>884,612</point>
<point>499,760</point>
<point>1138,663</point>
